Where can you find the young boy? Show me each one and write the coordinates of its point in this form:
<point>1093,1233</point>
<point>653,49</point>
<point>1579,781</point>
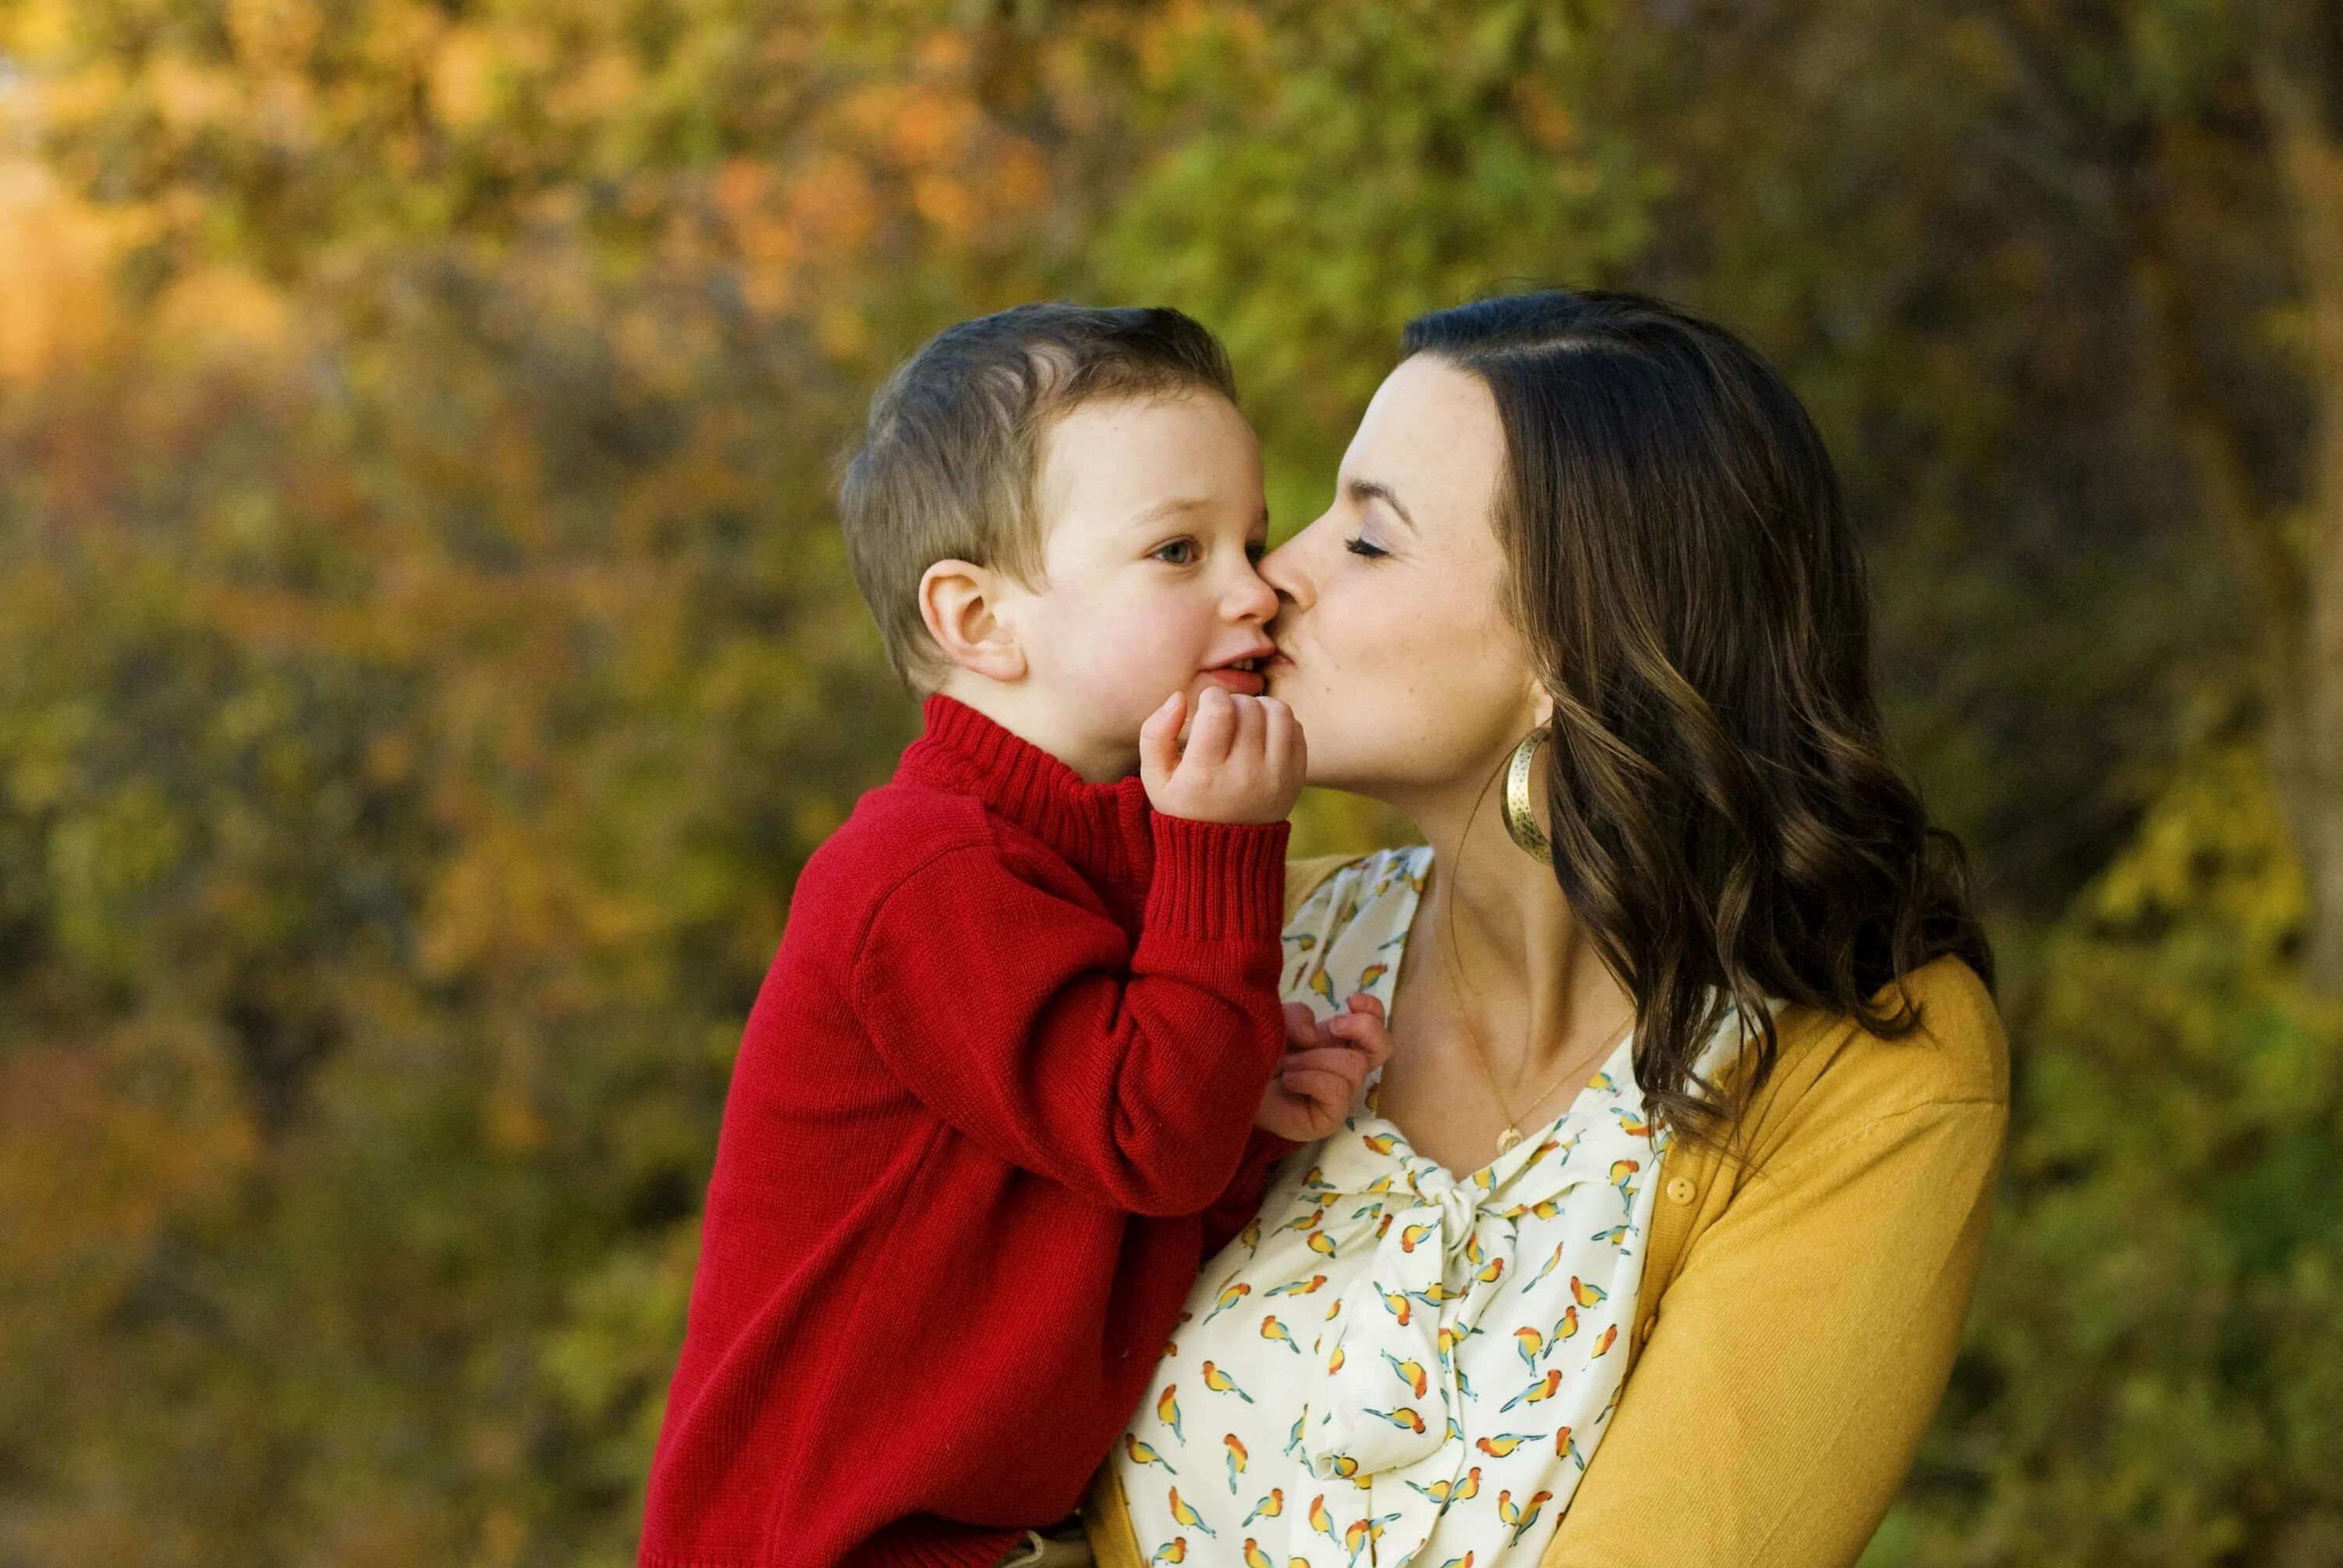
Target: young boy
<point>995,1101</point>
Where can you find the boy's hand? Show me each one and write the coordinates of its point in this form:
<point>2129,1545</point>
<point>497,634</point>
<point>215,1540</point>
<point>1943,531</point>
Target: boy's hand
<point>1243,761</point>
<point>1325,1066</point>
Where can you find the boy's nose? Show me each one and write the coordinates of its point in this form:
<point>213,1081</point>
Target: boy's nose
<point>1253,599</point>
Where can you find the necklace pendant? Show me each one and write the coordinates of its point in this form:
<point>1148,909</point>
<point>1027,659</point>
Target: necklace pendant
<point>1508,1138</point>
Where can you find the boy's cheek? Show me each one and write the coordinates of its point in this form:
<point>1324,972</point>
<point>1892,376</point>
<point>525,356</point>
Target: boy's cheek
<point>1136,650</point>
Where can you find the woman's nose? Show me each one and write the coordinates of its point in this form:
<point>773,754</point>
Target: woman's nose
<point>1284,570</point>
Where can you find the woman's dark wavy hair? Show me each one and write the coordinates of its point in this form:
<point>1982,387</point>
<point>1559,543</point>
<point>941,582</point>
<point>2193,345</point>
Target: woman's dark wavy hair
<point>1725,820</point>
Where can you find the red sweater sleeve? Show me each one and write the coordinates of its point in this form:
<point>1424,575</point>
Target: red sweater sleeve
<point>1031,1022</point>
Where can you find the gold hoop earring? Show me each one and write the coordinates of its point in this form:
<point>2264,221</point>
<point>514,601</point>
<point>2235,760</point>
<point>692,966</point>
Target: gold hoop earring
<point>1520,823</point>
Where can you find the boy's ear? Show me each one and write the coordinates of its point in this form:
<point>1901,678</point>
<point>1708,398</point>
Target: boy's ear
<point>960,601</point>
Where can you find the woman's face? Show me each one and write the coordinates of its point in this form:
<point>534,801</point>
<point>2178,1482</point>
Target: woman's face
<point>1393,648</point>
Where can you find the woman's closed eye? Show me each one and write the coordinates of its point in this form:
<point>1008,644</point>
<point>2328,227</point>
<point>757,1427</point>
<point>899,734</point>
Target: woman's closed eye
<point>1360,544</point>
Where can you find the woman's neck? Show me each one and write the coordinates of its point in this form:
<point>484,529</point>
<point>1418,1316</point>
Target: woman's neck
<point>1520,968</point>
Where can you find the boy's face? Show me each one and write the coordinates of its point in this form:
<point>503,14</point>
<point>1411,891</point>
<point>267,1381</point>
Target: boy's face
<point>1155,516</point>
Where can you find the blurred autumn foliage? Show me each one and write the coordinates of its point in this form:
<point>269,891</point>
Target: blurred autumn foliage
<point>425,657</point>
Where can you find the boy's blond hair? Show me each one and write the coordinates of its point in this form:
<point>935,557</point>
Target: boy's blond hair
<point>947,463</point>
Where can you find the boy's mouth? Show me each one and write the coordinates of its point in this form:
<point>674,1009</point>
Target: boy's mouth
<point>1244,675</point>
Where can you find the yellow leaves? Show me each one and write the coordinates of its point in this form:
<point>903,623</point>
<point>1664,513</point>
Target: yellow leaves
<point>600,90</point>
<point>274,34</point>
<point>56,303</point>
<point>389,758</point>
<point>463,79</point>
<point>478,71</point>
<point>2214,847</point>
<point>504,1536</point>
<point>511,1123</point>
<point>1185,31</point>
<point>221,317</point>
<point>841,332</point>
<point>192,98</point>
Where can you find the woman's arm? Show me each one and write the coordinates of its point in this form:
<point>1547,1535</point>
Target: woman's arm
<point>1798,1355</point>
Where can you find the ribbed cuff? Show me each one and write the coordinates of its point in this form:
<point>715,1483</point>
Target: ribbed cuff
<point>1217,880</point>
<point>926,1542</point>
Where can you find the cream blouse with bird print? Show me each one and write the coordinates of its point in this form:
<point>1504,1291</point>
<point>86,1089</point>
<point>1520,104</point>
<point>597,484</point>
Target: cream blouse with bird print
<point>1392,1366</point>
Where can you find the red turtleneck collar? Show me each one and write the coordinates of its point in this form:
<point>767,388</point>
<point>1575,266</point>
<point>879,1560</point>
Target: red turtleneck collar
<point>1102,829</point>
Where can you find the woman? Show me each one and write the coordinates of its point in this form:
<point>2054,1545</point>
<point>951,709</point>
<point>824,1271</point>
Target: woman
<point>1653,1241</point>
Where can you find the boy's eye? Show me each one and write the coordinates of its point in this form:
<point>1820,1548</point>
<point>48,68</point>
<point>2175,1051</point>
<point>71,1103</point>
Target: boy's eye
<point>1177,553</point>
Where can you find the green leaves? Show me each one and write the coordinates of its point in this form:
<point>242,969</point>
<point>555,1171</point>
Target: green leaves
<point>1332,174</point>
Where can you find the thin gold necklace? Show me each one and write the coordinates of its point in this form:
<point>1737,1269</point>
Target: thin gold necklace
<point>1511,1133</point>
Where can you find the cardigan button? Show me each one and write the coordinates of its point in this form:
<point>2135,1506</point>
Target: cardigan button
<point>1643,1331</point>
<point>1680,1189</point>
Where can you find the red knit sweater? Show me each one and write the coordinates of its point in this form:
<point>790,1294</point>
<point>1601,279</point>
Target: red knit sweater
<point>992,1110</point>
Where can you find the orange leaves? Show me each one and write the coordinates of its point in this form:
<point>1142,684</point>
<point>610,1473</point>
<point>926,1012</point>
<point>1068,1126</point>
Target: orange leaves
<point>909,157</point>
<point>57,305</point>
<point>220,315</point>
<point>922,124</point>
<point>831,206</point>
<point>105,1142</point>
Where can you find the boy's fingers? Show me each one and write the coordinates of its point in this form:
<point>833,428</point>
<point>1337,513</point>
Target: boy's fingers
<point>1253,728</point>
<point>1345,1060</point>
<point>1330,1089</point>
<point>1366,1002</point>
<point>1301,1024</point>
<point>1365,1031</point>
<point>1281,733</point>
<point>1159,737</point>
<point>1216,725</point>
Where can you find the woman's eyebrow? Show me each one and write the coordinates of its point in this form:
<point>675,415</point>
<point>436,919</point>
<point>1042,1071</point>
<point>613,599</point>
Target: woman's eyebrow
<point>1365,490</point>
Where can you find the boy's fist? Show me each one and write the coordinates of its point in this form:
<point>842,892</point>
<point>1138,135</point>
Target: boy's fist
<point>1325,1066</point>
<point>1243,761</point>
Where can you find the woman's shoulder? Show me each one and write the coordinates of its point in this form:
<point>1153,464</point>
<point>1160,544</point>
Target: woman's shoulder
<point>1833,1075</point>
<point>1330,881</point>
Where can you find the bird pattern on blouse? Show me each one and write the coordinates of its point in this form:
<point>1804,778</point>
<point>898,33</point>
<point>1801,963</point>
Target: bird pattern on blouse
<point>1400,1366</point>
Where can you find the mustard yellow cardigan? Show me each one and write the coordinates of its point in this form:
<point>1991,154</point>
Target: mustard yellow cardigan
<point>1800,1304</point>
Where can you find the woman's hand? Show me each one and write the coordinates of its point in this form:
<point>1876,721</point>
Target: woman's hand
<point>1318,1081</point>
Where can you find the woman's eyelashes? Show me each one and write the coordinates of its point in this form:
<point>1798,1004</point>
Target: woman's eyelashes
<point>1360,544</point>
